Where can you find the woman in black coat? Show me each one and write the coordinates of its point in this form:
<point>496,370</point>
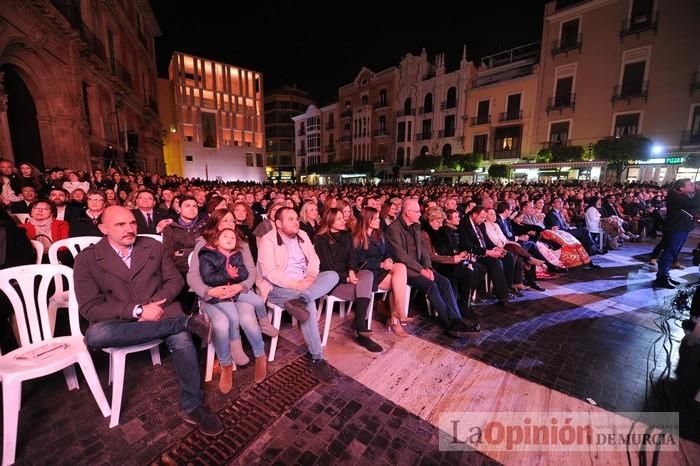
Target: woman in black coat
<point>373,254</point>
<point>333,244</point>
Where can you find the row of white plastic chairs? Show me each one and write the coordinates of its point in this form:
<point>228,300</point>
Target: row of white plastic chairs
<point>41,353</point>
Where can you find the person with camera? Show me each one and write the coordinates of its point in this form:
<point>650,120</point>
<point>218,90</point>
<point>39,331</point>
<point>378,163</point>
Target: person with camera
<point>682,205</point>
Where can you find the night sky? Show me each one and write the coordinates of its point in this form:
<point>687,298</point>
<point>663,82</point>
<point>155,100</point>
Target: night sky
<point>320,46</point>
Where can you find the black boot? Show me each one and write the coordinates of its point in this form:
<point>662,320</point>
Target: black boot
<point>360,324</point>
<point>361,305</point>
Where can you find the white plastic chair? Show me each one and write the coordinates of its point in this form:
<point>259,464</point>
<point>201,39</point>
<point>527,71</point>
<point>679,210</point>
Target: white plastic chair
<point>330,301</point>
<point>40,353</point>
<point>276,322</point>
<point>158,238</point>
<point>117,367</point>
<point>38,249</point>
<point>74,246</point>
<point>21,218</point>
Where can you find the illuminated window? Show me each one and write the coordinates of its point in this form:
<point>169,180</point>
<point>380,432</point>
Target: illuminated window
<point>626,125</point>
<point>313,123</point>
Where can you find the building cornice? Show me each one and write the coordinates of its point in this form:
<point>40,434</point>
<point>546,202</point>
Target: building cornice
<point>578,9</point>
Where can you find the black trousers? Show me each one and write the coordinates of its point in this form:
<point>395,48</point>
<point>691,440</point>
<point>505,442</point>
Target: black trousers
<point>440,294</point>
<point>497,274</point>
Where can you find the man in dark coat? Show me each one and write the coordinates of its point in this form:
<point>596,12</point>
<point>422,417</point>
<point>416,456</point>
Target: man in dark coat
<point>406,244</point>
<point>126,288</point>
<point>149,220</point>
<point>680,221</point>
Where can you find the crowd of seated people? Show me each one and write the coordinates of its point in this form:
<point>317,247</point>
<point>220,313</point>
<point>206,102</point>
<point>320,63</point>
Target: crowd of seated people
<point>236,246</point>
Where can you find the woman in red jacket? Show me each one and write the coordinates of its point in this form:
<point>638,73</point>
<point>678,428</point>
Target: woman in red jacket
<point>43,226</point>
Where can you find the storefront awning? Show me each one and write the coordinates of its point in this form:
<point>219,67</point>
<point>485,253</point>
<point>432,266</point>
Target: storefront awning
<point>555,165</point>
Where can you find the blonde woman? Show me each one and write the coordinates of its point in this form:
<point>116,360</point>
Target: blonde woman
<point>309,219</point>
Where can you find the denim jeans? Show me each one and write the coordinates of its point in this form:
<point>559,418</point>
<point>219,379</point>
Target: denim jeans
<point>119,333</point>
<point>674,242</point>
<point>325,282</point>
<point>253,299</point>
<point>226,318</point>
<point>440,294</point>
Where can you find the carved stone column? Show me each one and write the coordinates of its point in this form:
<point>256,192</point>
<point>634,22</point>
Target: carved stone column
<point>5,140</point>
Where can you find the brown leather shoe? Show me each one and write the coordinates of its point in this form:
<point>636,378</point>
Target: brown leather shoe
<point>226,379</point>
<point>260,369</point>
<point>297,309</point>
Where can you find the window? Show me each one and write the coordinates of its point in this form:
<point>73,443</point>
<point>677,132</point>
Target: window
<point>513,107</point>
<point>449,126</point>
<point>633,79</point>
<point>364,100</point>
<point>382,124</point>
<point>189,158</point>
<point>626,124</point>
<point>258,160</point>
<point>399,157</point>
<point>563,91</point>
<point>480,144</point>
<point>401,132</point>
<point>641,14</point>
<point>427,130</point>
<point>569,34</point>
<point>447,150</point>
<point>209,132</point>
<point>507,142</point>
<point>427,103</point>
<point>559,133</point>
<point>313,123</point>
<point>249,159</point>
<point>408,156</point>
<point>424,150</point>
<point>482,112</point>
<point>407,106</point>
<point>313,142</point>
<point>451,100</point>
<point>382,98</point>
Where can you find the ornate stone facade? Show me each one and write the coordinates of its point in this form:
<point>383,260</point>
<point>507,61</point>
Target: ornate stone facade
<point>90,69</point>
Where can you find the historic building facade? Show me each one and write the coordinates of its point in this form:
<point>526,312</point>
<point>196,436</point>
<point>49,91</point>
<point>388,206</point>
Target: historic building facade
<point>500,105</point>
<point>612,68</point>
<point>316,142</point>
<point>215,129</point>
<point>430,107</point>
<point>76,79</point>
<point>280,106</point>
<point>367,118</point>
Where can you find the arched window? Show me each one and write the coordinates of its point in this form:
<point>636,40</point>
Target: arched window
<point>447,150</point>
<point>407,106</point>
<point>451,100</point>
<point>408,156</point>
<point>382,98</point>
<point>399,157</point>
<point>364,100</point>
<point>424,150</point>
<point>428,103</point>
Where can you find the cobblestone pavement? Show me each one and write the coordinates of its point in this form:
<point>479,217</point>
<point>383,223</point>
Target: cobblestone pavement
<point>604,335</point>
<point>592,335</point>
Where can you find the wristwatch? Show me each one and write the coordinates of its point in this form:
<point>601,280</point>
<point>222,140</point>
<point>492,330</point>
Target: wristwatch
<point>138,311</point>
